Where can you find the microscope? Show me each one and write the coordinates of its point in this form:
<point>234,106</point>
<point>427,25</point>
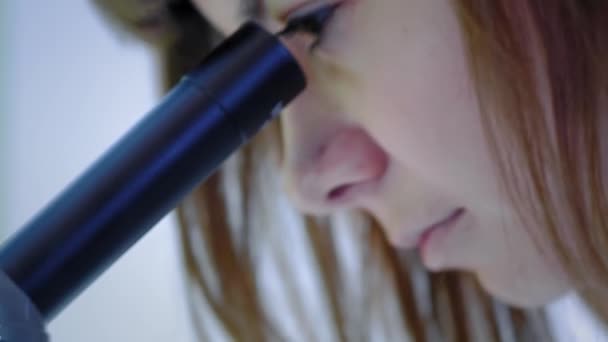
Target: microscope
<point>216,108</point>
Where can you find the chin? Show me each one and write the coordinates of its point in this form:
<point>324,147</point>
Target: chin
<point>522,294</point>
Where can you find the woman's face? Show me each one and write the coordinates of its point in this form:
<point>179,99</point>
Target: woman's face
<point>389,124</point>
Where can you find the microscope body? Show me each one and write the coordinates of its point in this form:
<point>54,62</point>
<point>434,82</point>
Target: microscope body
<point>214,110</point>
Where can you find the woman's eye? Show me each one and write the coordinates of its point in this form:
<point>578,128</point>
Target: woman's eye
<point>311,20</point>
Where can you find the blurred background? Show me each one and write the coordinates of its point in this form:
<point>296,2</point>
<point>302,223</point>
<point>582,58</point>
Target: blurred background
<point>70,86</point>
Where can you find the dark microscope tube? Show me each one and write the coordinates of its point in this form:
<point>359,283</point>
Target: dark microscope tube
<point>214,110</point>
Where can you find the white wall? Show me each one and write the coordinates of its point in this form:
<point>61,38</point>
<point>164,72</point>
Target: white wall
<point>4,23</point>
<point>75,87</point>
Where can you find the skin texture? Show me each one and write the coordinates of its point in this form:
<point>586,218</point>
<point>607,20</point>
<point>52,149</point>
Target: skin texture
<point>390,125</point>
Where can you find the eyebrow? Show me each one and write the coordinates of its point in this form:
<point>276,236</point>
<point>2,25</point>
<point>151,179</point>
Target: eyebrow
<point>251,9</point>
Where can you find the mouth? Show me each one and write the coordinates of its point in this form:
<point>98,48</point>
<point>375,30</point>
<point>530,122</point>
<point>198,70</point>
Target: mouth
<point>431,233</point>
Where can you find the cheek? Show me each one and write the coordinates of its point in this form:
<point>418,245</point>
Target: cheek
<point>418,102</point>
<point>428,141</point>
<point>423,112</point>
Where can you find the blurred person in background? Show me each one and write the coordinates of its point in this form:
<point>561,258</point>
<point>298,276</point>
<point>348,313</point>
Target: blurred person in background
<point>445,171</point>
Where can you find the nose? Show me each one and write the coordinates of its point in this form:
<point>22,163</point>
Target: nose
<point>330,161</point>
<point>343,169</point>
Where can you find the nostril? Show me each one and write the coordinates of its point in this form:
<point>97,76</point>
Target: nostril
<point>343,171</point>
<point>338,192</point>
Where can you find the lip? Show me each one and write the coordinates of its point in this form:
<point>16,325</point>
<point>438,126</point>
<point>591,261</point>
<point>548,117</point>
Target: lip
<point>431,233</point>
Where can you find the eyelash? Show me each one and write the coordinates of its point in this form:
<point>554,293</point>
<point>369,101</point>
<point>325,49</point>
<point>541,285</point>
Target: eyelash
<point>313,22</point>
